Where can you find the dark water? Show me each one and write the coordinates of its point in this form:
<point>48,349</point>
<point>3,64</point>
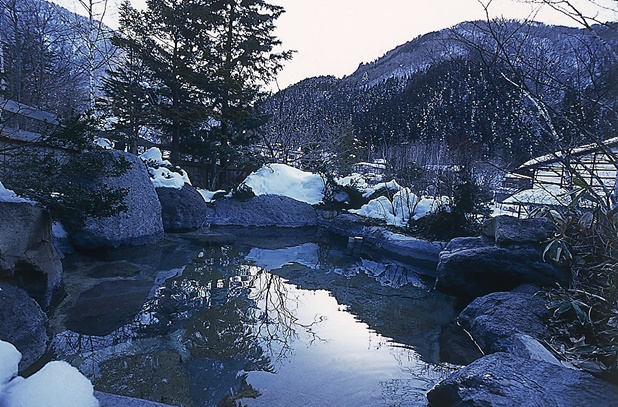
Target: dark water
<point>279,318</point>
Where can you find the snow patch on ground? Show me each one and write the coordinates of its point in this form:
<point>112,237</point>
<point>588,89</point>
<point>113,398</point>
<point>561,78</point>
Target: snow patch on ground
<point>7,195</point>
<point>209,195</point>
<point>57,384</point>
<point>281,179</point>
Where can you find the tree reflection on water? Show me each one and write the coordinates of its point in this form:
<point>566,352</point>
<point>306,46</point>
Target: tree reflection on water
<point>222,315</point>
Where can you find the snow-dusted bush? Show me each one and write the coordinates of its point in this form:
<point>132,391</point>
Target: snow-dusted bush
<point>162,173</point>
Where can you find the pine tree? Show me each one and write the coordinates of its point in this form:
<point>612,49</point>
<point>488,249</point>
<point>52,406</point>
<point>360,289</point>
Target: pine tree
<point>206,61</point>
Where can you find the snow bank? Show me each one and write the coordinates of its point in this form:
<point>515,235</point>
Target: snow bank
<point>6,195</point>
<point>429,204</point>
<point>391,185</point>
<point>57,384</point>
<point>104,143</point>
<point>281,179</point>
<point>9,362</point>
<point>160,173</point>
<point>209,195</point>
<point>404,206</point>
<point>394,212</point>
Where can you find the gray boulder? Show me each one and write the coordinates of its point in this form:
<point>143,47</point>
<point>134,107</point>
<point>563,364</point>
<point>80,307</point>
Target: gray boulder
<point>140,224</point>
<point>27,255</point>
<point>263,210</point>
<point>347,225</point>
<point>401,247</point>
<point>22,323</point>
<point>456,346</point>
<point>182,209</point>
<point>470,268</point>
<point>407,248</point>
<point>496,320</point>
<point>506,230</point>
<point>501,379</point>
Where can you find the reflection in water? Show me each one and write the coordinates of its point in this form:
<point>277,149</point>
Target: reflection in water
<point>234,323</point>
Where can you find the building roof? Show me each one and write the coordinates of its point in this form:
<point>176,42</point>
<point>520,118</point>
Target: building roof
<point>28,111</point>
<point>558,155</point>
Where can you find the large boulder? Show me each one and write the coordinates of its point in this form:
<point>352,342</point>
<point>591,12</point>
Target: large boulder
<point>140,224</point>
<point>22,323</point>
<point>456,345</point>
<point>497,321</point>
<point>506,230</point>
<point>263,210</point>
<point>401,247</point>
<point>182,209</point>
<point>472,267</point>
<point>347,224</point>
<point>27,255</point>
<point>502,379</point>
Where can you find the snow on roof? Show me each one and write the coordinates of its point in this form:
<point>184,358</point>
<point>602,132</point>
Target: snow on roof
<point>281,179</point>
<point>549,195</point>
<point>556,156</point>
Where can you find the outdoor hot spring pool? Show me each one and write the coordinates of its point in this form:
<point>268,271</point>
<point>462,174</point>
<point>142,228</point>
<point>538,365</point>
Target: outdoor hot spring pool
<point>279,318</point>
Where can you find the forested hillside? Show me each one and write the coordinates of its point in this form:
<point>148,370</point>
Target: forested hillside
<point>51,58</point>
<point>502,91</point>
<point>498,92</point>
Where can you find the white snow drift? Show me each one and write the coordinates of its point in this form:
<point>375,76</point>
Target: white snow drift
<point>281,179</point>
<point>57,384</point>
<point>160,173</point>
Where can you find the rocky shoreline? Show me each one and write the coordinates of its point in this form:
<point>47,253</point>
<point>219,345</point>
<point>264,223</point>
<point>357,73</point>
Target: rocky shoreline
<point>499,335</point>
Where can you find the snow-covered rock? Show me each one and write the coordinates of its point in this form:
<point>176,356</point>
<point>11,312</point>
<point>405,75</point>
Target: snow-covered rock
<point>398,210</point>
<point>281,179</point>
<point>9,362</point>
<point>26,252</point>
<point>162,173</point>
<point>140,224</point>
<point>210,196</point>
<point>57,384</point>
<point>7,195</point>
<point>23,323</point>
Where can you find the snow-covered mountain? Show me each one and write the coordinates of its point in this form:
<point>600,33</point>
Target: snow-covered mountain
<point>468,85</point>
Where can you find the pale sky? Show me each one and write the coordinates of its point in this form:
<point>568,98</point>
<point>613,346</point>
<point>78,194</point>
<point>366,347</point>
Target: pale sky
<point>332,37</point>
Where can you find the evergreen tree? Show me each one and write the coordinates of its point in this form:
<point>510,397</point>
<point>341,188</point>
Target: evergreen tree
<point>205,62</point>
